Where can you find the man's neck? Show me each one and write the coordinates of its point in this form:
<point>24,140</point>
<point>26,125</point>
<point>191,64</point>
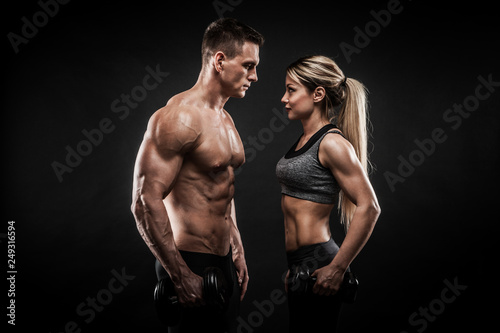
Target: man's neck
<point>210,91</point>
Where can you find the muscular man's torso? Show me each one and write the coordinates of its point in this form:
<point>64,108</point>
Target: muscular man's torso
<point>199,203</point>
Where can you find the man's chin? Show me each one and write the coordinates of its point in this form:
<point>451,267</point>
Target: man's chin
<point>239,94</point>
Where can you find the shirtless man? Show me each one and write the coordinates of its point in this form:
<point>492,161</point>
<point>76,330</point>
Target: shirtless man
<point>184,176</point>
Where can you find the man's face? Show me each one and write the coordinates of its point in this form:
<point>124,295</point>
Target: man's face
<point>239,72</point>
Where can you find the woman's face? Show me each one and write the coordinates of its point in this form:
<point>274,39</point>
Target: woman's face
<point>298,100</point>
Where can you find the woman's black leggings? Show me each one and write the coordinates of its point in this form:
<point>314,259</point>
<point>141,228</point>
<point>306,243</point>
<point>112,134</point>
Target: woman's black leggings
<point>309,312</point>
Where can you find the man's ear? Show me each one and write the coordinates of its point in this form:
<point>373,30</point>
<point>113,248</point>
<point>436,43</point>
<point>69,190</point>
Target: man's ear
<point>319,94</point>
<point>218,59</point>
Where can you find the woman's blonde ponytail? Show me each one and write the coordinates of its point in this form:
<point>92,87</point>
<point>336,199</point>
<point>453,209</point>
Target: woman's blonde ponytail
<point>352,120</point>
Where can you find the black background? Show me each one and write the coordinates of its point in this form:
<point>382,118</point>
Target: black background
<point>439,224</point>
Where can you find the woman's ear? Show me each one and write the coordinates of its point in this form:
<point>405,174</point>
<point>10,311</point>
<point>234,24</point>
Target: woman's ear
<point>218,59</point>
<point>319,94</point>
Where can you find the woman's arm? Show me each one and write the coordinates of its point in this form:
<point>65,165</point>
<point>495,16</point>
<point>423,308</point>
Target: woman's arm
<point>338,155</point>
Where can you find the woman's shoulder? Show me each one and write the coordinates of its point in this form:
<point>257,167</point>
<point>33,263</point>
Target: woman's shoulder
<point>335,141</point>
<point>335,148</point>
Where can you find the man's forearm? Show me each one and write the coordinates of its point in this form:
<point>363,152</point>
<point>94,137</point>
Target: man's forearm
<point>154,227</point>
<point>238,252</point>
<point>236,242</point>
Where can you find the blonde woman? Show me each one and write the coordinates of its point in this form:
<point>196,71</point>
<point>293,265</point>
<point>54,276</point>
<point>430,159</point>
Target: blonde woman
<point>326,168</point>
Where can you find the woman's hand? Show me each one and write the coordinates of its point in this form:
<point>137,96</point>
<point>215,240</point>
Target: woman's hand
<point>328,280</point>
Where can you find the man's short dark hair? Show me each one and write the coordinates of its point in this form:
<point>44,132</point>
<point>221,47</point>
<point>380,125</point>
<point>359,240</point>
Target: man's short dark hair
<point>227,35</point>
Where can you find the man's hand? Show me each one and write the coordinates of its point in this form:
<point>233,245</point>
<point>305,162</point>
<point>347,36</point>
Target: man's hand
<point>190,290</point>
<point>286,280</point>
<point>328,280</point>
<point>242,271</point>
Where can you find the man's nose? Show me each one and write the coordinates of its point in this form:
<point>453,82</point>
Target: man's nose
<point>253,76</point>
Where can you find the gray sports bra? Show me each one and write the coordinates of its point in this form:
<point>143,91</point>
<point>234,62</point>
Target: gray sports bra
<point>302,176</point>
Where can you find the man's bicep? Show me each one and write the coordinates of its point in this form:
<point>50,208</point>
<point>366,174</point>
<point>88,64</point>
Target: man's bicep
<point>169,137</point>
<point>157,171</point>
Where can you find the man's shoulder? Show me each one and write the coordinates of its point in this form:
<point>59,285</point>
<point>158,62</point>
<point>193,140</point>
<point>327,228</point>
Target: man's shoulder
<point>176,110</point>
<point>175,124</point>
<point>227,115</point>
<point>177,113</point>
